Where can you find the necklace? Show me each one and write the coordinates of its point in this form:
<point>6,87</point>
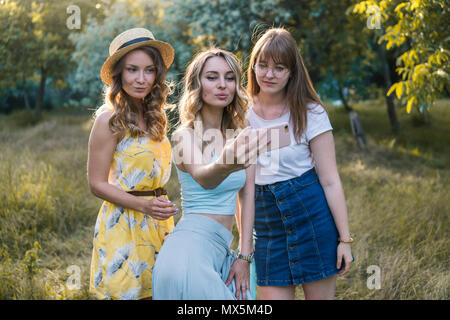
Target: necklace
<point>279,115</point>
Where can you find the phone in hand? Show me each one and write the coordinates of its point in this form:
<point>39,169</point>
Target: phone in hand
<point>279,136</point>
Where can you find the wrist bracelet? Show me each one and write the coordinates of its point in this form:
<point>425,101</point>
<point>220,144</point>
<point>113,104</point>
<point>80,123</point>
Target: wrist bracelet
<point>350,240</point>
<point>248,258</point>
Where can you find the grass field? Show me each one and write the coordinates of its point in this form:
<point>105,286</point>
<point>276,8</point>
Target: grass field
<point>397,195</point>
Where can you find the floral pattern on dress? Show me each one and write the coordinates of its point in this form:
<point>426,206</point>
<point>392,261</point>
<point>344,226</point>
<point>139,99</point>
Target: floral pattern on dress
<point>126,242</point>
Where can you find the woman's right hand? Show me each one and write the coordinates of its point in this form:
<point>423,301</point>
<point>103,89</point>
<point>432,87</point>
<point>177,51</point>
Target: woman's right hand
<point>242,151</point>
<point>159,208</point>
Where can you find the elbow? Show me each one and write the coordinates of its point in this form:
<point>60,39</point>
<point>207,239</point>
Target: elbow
<point>329,182</point>
<point>93,187</point>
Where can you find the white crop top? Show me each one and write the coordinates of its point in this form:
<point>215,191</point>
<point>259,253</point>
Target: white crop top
<point>294,160</point>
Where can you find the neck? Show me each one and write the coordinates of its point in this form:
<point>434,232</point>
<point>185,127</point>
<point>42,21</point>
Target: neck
<point>211,117</point>
<point>271,100</point>
<point>137,102</point>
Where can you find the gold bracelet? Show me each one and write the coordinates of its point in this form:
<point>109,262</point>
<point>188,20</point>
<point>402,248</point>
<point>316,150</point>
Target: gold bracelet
<point>349,241</point>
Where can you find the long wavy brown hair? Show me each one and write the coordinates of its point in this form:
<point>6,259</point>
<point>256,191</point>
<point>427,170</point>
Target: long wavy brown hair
<point>125,115</point>
<point>191,100</point>
<point>279,45</point>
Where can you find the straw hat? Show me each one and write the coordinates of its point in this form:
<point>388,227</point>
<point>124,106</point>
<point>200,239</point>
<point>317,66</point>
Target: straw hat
<point>129,40</point>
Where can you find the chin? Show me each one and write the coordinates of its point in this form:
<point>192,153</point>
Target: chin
<point>218,104</point>
<point>270,89</point>
<point>140,96</point>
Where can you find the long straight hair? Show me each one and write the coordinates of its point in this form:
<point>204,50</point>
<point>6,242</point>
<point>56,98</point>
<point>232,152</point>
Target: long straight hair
<point>279,45</point>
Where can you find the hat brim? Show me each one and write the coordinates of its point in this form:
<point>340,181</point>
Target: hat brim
<point>166,50</point>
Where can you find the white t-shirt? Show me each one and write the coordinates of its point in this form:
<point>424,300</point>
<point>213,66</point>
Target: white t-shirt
<point>294,160</point>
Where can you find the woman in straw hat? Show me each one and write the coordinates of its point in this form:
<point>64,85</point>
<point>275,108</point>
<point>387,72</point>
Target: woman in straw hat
<point>196,262</point>
<point>129,162</point>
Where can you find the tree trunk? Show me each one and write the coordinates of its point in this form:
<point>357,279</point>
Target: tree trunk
<point>357,129</point>
<point>395,125</point>
<point>25,98</point>
<point>343,99</point>
<point>40,97</point>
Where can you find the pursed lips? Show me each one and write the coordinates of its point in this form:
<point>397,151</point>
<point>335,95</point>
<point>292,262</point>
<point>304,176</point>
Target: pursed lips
<point>222,95</point>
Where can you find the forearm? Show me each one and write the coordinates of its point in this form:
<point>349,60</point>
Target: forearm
<point>111,193</point>
<point>247,218</point>
<point>211,175</point>
<point>334,194</point>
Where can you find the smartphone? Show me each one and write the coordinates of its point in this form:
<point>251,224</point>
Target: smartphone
<point>279,136</point>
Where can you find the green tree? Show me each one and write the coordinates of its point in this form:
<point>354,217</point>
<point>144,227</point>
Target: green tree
<point>33,42</point>
<point>329,50</point>
<point>229,24</point>
<point>420,29</point>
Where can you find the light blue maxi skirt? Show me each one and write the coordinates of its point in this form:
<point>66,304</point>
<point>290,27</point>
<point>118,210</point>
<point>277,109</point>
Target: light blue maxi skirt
<point>194,262</point>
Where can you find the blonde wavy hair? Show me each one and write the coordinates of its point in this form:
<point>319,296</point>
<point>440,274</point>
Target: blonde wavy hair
<point>191,100</point>
<point>125,112</point>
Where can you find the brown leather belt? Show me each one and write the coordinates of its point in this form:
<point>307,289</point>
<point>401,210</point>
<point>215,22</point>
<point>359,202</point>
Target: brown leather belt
<point>157,192</point>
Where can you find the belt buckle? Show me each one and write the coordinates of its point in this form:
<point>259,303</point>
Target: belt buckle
<point>158,192</point>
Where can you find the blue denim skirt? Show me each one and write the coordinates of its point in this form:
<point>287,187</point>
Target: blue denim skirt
<point>194,262</point>
<point>295,234</point>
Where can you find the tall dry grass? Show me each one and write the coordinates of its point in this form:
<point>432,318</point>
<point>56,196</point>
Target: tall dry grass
<point>396,191</point>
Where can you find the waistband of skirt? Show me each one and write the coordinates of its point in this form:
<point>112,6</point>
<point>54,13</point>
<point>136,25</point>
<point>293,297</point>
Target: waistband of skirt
<point>206,226</point>
<point>311,173</point>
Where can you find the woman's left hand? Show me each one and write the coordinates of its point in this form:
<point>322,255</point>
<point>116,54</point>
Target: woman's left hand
<point>240,271</point>
<point>344,252</point>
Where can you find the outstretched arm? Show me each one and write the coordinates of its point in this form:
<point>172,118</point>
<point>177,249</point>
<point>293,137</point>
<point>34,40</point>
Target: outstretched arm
<point>236,155</point>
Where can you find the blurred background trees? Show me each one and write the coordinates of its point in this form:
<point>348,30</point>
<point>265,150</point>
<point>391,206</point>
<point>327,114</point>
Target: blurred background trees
<point>354,50</point>
<point>35,48</point>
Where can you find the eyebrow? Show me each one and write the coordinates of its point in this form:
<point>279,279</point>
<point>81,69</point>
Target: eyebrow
<point>132,65</point>
<point>276,63</point>
<point>211,71</point>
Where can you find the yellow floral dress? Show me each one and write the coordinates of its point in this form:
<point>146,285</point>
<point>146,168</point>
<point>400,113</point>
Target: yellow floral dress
<point>126,242</point>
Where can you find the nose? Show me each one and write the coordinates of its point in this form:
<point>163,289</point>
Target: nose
<point>140,77</point>
<point>269,73</point>
<point>221,83</point>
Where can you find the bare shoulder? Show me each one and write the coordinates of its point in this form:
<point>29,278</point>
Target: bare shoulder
<point>101,130</point>
<point>102,120</point>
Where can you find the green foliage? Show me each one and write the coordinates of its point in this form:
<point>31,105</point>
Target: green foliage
<point>33,42</point>
<point>420,28</point>
<point>30,261</point>
<point>228,24</point>
<point>332,44</point>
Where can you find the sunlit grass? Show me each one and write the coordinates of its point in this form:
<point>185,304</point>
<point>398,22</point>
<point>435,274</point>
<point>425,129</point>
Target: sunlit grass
<point>396,190</point>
